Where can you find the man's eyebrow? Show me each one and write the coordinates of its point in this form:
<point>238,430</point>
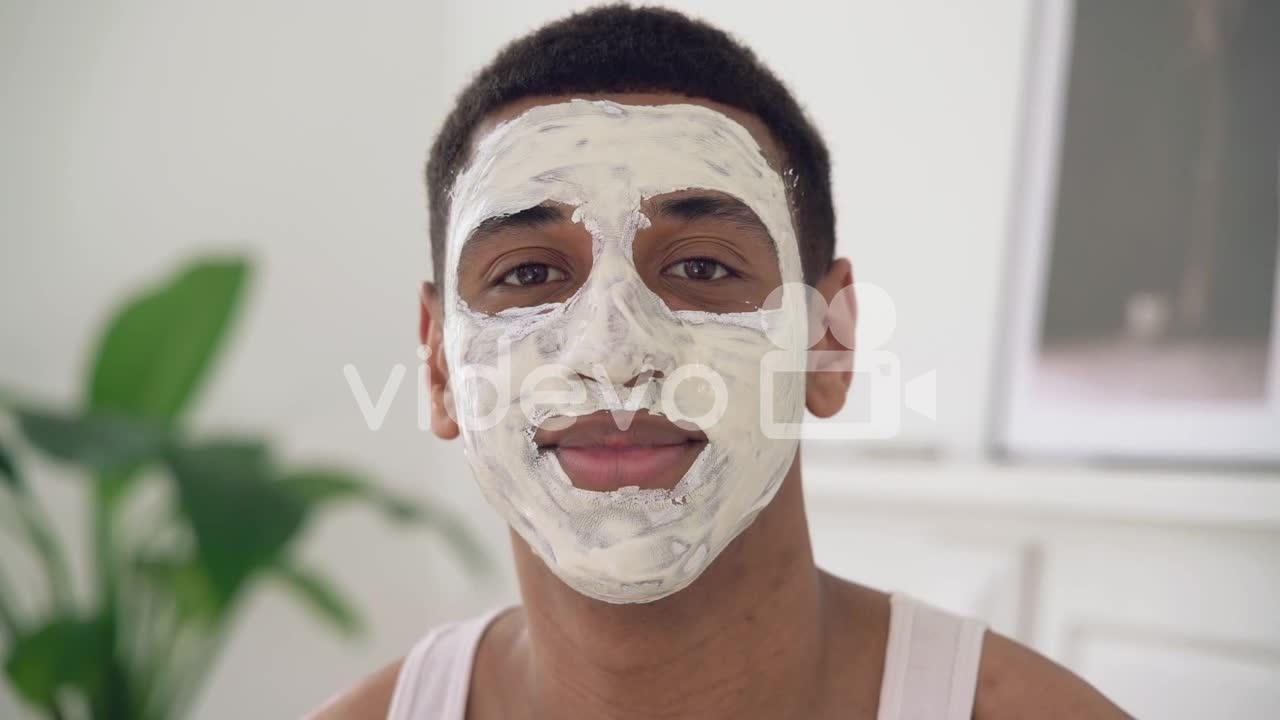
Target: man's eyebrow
<point>717,207</point>
<point>528,219</point>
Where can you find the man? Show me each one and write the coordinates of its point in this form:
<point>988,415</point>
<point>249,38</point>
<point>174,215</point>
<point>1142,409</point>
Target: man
<point>626,208</point>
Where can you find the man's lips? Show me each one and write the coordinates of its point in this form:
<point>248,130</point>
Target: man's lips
<point>598,454</point>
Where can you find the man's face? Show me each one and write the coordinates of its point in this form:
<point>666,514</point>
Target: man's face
<point>613,289</point>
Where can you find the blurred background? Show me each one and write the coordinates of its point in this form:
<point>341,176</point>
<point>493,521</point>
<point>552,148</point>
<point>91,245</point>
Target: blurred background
<point>1069,423</point>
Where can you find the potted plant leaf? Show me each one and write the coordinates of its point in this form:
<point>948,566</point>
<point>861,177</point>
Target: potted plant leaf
<point>169,574</point>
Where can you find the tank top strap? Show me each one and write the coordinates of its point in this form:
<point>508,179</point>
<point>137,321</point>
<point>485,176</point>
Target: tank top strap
<point>931,663</point>
<point>435,676</point>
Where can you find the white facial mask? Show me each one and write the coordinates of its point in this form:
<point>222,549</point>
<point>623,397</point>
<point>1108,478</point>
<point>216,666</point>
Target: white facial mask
<point>603,159</point>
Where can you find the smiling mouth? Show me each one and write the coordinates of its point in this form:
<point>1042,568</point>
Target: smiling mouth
<point>651,453</point>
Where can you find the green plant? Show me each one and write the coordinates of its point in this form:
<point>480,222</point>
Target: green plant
<point>223,515</point>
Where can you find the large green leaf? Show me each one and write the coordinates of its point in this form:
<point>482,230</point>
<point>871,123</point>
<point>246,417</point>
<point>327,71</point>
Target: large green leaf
<point>64,653</point>
<point>322,597</point>
<point>322,485</point>
<point>157,348</point>
<point>319,485</point>
<point>99,441</point>
<point>242,519</point>
<point>185,580</point>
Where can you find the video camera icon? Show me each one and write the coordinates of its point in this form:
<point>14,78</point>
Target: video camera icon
<point>877,374</point>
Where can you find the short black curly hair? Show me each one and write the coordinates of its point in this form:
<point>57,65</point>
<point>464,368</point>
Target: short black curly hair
<point>618,48</point>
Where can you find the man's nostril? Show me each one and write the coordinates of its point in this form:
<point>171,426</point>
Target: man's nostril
<point>644,376</point>
<point>641,379</point>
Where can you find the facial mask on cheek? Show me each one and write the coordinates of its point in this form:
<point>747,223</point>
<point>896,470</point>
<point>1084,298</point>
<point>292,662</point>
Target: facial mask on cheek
<point>604,159</point>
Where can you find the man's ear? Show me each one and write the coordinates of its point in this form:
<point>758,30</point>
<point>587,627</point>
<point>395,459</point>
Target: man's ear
<point>431,335</point>
<point>831,361</point>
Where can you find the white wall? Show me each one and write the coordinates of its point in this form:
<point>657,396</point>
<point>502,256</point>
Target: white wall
<point>137,133</point>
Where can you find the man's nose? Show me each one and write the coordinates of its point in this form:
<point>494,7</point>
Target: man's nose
<point>616,334</point>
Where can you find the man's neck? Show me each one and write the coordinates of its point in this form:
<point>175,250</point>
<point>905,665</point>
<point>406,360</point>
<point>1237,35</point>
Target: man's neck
<point>746,639</point>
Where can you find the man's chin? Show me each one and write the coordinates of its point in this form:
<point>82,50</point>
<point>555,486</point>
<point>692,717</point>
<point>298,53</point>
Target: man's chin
<point>638,592</point>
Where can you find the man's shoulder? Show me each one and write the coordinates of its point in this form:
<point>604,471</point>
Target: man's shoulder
<point>1014,681</point>
<point>368,698</point>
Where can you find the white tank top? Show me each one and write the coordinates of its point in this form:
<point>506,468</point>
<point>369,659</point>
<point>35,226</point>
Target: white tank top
<point>930,667</point>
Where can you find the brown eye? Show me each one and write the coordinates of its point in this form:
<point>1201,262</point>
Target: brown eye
<point>698,269</point>
<point>532,274</point>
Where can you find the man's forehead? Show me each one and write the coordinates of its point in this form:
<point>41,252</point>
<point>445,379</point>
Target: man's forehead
<point>754,126</point>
